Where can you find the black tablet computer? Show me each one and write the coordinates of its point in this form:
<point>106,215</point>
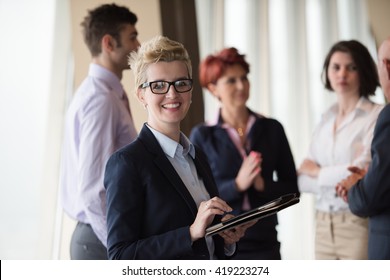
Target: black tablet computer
<point>260,212</point>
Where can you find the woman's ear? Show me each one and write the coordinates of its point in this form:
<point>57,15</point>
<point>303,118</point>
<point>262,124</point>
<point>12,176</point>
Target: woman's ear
<point>141,97</point>
<point>387,66</point>
<point>211,87</point>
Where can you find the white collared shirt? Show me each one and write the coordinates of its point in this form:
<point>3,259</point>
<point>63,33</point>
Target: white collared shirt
<point>97,124</point>
<point>336,150</point>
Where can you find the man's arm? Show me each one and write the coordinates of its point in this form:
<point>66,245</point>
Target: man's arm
<point>371,195</point>
<point>97,142</point>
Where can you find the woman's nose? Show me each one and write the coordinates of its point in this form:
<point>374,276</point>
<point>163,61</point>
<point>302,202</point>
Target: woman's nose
<point>343,72</point>
<point>239,84</point>
<point>171,92</point>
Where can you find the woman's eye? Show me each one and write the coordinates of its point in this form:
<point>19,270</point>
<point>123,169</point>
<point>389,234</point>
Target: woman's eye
<point>335,67</point>
<point>231,81</point>
<point>158,85</point>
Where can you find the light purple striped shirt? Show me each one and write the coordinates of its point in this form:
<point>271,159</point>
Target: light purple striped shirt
<point>97,124</point>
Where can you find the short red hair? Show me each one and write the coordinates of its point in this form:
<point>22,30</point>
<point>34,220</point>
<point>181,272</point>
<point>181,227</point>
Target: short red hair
<point>213,66</point>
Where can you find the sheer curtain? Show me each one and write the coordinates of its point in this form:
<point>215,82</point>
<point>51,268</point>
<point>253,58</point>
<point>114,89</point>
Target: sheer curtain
<point>285,42</point>
<point>33,73</point>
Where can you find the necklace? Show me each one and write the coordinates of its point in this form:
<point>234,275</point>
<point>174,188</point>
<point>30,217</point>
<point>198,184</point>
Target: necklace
<point>240,131</point>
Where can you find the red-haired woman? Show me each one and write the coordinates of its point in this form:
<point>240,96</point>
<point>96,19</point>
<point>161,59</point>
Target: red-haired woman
<point>245,150</point>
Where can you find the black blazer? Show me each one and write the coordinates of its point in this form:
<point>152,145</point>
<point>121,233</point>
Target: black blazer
<point>370,197</point>
<point>267,137</point>
<point>149,209</point>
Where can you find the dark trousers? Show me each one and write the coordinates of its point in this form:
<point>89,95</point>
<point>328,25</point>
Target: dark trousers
<point>85,245</point>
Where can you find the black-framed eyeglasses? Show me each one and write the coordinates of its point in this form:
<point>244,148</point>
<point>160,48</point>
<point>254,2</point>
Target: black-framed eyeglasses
<point>162,87</point>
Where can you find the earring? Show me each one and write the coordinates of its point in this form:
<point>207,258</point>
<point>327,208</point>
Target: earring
<point>145,106</point>
<point>191,101</point>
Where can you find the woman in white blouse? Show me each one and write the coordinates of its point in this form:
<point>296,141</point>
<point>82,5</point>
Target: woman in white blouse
<point>341,139</point>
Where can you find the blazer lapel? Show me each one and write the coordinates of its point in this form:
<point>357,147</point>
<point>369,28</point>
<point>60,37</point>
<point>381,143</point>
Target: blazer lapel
<point>166,167</point>
<point>226,145</point>
<point>208,180</point>
<point>256,131</point>
<point>202,173</point>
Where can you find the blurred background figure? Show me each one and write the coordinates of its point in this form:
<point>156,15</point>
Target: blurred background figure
<point>341,139</point>
<point>249,154</point>
<point>98,122</point>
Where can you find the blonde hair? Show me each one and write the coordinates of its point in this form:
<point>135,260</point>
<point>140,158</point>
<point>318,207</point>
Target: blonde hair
<point>157,49</point>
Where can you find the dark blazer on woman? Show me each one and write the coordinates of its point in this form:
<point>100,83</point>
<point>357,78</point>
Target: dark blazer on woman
<point>149,209</point>
<point>370,197</point>
<point>267,137</point>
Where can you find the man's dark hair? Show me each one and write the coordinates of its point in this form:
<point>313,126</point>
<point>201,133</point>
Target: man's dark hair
<point>105,19</point>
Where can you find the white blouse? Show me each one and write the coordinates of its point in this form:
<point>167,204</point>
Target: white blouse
<point>336,150</point>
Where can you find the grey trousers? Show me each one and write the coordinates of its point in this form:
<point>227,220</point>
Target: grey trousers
<point>85,245</point>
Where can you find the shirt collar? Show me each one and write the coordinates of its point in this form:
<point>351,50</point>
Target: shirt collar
<point>362,106</point>
<point>219,121</point>
<point>170,146</point>
<point>108,77</point>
